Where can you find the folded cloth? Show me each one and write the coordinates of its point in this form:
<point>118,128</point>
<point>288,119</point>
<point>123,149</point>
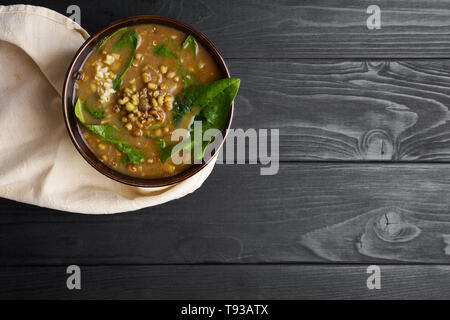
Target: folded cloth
<point>39,164</point>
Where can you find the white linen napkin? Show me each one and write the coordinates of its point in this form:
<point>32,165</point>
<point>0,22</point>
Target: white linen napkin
<point>38,163</point>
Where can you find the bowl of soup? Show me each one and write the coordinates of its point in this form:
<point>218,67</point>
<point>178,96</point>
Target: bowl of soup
<point>136,92</point>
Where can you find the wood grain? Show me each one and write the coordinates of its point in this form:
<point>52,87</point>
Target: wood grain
<point>337,92</point>
<point>310,212</point>
<point>291,28</point>
<point>226,282</point>
<point>349,110</point>
<point>327,109</point>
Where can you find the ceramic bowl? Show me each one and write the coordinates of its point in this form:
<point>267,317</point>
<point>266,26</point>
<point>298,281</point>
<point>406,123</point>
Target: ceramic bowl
<point>69,99</point>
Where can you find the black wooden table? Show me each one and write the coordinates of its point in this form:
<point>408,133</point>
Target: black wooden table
<point>364,175</point>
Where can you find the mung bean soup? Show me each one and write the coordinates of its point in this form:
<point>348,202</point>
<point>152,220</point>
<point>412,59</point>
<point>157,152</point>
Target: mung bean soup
<point>130,97</point>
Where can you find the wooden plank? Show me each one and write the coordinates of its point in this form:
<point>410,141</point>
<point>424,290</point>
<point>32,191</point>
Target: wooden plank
<point>309,212</point>
<point>227,282</point>
<point>335,110</point>
<point>349,110</point>
<point>292,28</point>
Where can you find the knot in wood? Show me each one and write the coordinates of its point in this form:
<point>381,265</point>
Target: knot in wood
<point>376,66</point>
<point>392,226</point>
<point>377,144</point>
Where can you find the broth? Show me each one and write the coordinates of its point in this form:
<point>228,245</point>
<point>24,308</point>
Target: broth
<point>141,109</point>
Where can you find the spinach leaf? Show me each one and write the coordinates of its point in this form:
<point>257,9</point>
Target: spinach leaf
<point>162,50</point>
<point>204,94</point>
<point>79,111</point>
<point>109,133</point>
<point>198,147</point>
<point>160,142</point>
<point>166,154</point>
<point>188,79</point>
<point>131,154</point>
<point>129,39</point>
<point>105,131</point>
<point>164,148</point>
<point>179,109</point>
<point>94,112</point>
<point>156,126</point>
<point>112,35</point>
<point>215,100</point>
<point>168,151</point>
<point>172,43</point>
<point>191,44</point>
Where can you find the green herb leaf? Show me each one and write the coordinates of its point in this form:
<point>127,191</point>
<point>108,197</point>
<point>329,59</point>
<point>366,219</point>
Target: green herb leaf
<point>203,95</point>
<point>189,80</point>
<point>179,109</point>
<point>156,126</point>
<point>94,112</point>
<point>109,133</point>
<point>106,131</point>
<point>160,142</point>
<point>167,152</point>
<point>215,100</point>
<point>131,154</point>
<point>79,111</point>
<point>172,43</point>
<point>130,40</point>
<point>191,44</point>
<point>115,33</point>
<point>162,50</point>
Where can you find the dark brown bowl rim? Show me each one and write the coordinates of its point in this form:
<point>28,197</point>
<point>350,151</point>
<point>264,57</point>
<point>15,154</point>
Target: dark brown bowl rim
<point>68,100</point>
